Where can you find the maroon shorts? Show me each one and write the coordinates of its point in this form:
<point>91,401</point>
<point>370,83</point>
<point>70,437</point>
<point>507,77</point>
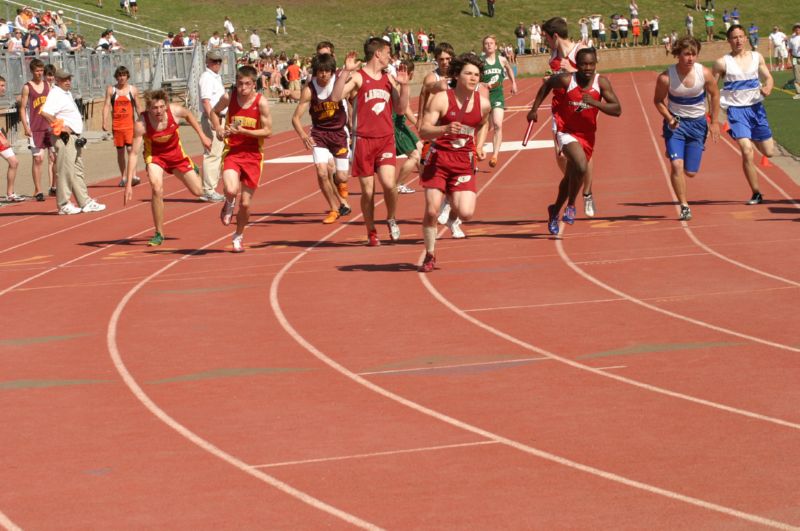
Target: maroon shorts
<point>171,163</point>
<point>41,140</point>
<point>369,154</point>
<point>449,171</point>
<point>247,164</point>
<point>334,141</point>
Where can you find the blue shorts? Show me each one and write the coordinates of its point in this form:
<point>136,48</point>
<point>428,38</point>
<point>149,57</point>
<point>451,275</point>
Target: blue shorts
<point>749,122</point>
<point>687,142</point>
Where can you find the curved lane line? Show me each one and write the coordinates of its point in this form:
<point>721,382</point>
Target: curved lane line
<point>7,524</point>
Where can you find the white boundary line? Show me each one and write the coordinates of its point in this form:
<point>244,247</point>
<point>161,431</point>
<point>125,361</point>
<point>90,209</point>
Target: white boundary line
<point>281,317</point>
<point>7,524</point>
<point>685,224</point>
<point>454,366</point>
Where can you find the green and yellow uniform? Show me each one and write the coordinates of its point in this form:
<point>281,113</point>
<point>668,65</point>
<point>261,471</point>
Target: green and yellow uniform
<point>494,74</point>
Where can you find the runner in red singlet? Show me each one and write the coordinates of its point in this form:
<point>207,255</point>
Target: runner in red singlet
<point>377,94</point>
<point>122,104</point>
<point>456,120</point>
<point>248,124</point>
<point>585,94</point>
<point>157,130</point>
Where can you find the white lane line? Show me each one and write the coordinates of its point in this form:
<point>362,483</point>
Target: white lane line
<point>685,224</point>
<point>99,249</point>
<point>155,410</point>
<point>360,380</point>
<point>454,366</point>
<point>612,367</point>
<point>7,524</point>
<point>375,454</point>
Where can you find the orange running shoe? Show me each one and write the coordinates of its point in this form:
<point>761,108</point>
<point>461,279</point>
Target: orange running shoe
<point>331,217</point>
<point>342,188</point>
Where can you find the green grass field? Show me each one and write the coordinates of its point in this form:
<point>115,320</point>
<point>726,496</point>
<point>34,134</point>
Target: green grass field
<point>784,114</point>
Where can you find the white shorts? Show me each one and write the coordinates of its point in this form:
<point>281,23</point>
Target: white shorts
<point>7,153</point>
<point>781,52</point>
<point>322,155</point>
<point>564,139</point>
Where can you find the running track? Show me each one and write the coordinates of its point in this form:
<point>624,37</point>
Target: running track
<point>637,372</point>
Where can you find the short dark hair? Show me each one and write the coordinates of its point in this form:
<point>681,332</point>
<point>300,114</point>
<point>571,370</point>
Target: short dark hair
<point>50,69</point>
<point>154,95</point>
<point>556,26</point>
<point>323,62</point>
<point>247,71</point>
<point>325,44</point>
<point>687,42</point>
<point>458,63</point>
<point>585,51</point>
<point>409,64</point>
<point>735,27</point>
<point>2,79</point>
<point>121,71</point>
<point>36,63</point>
<point>373,45</point>
<point>444,47</point>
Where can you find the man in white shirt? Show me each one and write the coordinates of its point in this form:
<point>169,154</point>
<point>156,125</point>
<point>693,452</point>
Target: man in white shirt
<point>794,48</point>
<point>61,112</point>
<point>777,39</point>
<point>255,40</point>
<point>228,25</point>
<point>211,90</point>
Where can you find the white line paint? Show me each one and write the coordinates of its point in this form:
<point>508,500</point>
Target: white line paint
<point>612,367</point>
<point>7,524</point>
<point>360,380</point>
<point>454,366</point>
<point>152,407</point>
<point>685,224</point>
<point>375,454</point>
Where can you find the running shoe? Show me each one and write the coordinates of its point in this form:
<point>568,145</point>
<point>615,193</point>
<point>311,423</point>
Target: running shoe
<point>552,219</point>
<point>238,245</point>
<point>403,189</point>
<point>344,210</point>
<point>493,162</point>
<point>14,198</point>
<point>394,229</point>
<point>444,212</point>
<point>212,197</point>
<point>757,199</point>
<point>372,239</point>
<point>686,213</point>
<point>588,205</point>
<point>455,228</point>
<point>569,214</point>
<point>156,240</point>
<point>226,214</point>
<point>343,191</point>
<point>332,216</point>
<point>428,264</point>
<point>39,197</point>
<point>93,206</point>
<point>69,209</point>
<point>52,191</point>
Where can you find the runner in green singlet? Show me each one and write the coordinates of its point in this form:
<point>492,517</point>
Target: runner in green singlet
<point>495,71</point>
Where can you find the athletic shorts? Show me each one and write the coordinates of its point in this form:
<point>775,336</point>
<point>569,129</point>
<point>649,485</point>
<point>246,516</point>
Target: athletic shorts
<point>40,140</point>
<point>369,154</point>
<point>123,137</point>
<point>497,99</point>
<point>172,163</point>
<point>247,164</point>
<point>686,142</point>
<point>405,140</point>
<point>6,152</point>
<point>563,139</point>
<point>334,143</point>
<point>749,122</point>
<point>449,171</point>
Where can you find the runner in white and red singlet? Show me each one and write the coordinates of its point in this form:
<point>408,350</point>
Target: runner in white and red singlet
<point>377,94</point>
<point>586,94</point>
<point>456,120</point>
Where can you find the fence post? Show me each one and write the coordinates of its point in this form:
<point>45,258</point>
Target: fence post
<point>158,73</point>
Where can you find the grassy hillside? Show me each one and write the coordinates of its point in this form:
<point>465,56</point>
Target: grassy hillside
<point>348,22</point>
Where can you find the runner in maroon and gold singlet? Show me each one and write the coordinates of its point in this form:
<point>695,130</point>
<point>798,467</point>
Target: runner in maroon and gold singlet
<point>248,124</point>
<point>157,130</point>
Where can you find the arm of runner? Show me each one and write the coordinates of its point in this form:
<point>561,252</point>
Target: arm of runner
<point>23,110</point>
<point>348,80</point>
<point>133,156</point>
<point>437,105</point>
<point>719,68</point>
<point>179,111</point>
<point>660,99</point>
<point>400,96</point>
<point>712,89</point>
<point>544,90</point>
<point>609,103</point>
<point>766,77</point>
<point>137,104</point>
<point>266,121</point>
<point>221,105</point>
<point>107,107</point>
<point>483,131</point>
<point>300,110</point>
<point>411,117</point>
<point>510,72</point>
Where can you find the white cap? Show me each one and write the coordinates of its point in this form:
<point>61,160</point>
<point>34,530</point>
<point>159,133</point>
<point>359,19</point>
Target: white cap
<point>183,30</point>
<point>60,11</point>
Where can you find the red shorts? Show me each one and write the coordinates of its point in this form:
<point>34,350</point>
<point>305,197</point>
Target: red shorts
<point>562,139</point>
<point>247,164</point>
<point>449,171</point>
<point>123,137</point>
<point>4,143</point>
<point>171,163</point>
<point>369,154</point>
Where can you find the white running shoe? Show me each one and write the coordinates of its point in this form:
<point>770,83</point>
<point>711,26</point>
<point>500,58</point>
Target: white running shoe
<point>238,246</point>
<point>68,210</point>
<point>444,213</point>
<point>403,189</point>
<point>93,206</point>
<point>394,229</point>
<point>588,205</point>
<point>455,228</point>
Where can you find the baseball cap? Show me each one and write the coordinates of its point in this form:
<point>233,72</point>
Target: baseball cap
<point>183,30</point>
<point>214,55</point>
<point>62,74</point>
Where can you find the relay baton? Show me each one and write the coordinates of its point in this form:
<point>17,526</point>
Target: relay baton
<point>527,133</point>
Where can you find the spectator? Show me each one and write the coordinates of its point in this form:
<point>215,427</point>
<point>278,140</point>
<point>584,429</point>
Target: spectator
<point>280,20</point>
<point>134,8</point>
<point>602,34</point>
<point>490,7</point>
<point>177,40</point>
<point>636,29</point>
<point>778,40</point>
<point>647,30</point>
<point>473,7</point>
<point>268,52</point>
<point>633,7</point>
<point>623,31</point>
<point>103,44</point>
<point>752,35</point>
<point>255,40</point>
<point>293,77</point>
<point>215,41</point>
<point>210,91</point>
<point>536,38</point>
<point>794,48</point>
<point>520,32</point>
<point>735,16</point>
<point>709,20</point>
<point>422,39</point>
<point>33,41</point>
<point>726,20</point>
<point>690,23</point>
<point>614,29</point>
<point>228,25</point>
<point>49,41</point>
<point>594,25</point>
<point>583,25</point>
<point>655,25</point>
<point>15,45</point>
<point>167,43</point>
